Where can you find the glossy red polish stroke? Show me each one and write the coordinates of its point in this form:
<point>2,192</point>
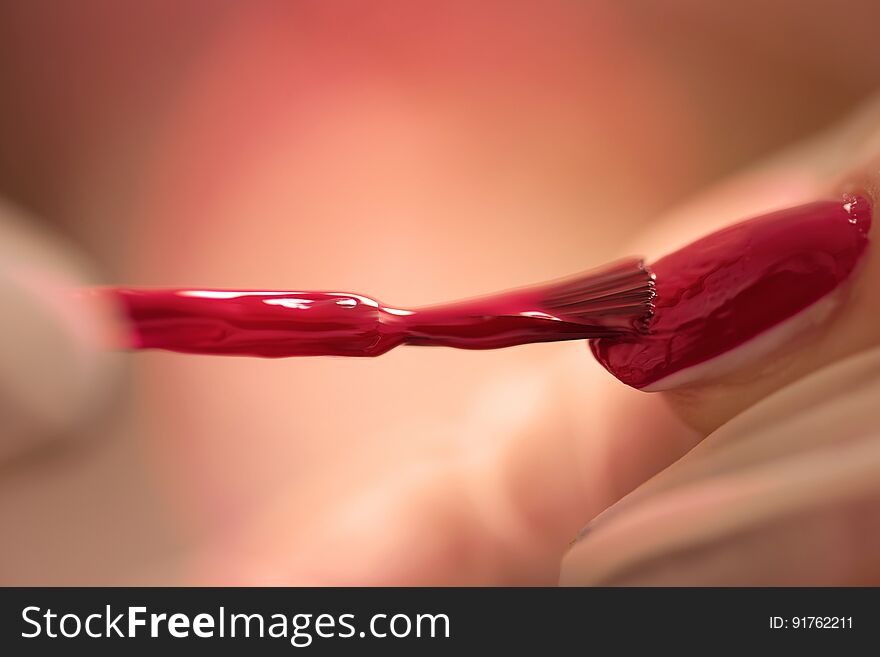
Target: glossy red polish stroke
<point>612,300</point>
<point>728,287</point>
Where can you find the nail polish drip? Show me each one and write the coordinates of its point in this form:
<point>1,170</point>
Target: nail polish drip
<point>724,289</point>
<point>613,300</point>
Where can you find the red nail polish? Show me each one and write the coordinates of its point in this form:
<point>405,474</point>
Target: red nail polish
<point>728,288</point>
<point>611,300</point>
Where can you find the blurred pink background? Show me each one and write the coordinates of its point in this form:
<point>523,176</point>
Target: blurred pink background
<point>415,151</point>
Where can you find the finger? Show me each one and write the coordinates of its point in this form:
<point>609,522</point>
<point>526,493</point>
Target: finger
<point>785,493</point>
<point>556,471</point>
<point>841,161</point>
<point>54,369</point>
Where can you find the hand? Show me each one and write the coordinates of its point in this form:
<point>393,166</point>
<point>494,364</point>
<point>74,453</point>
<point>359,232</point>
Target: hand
<point>184,148</point>
<point>784,492</point>
<point>785,489</point>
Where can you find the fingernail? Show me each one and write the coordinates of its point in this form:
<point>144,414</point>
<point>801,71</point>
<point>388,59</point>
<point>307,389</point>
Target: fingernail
<point>732,287</point>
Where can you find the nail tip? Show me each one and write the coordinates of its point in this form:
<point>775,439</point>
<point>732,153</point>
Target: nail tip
<point>859,212</point>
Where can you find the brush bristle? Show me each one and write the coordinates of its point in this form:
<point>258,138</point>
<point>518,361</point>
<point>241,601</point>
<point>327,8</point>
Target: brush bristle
<point>617,297</point>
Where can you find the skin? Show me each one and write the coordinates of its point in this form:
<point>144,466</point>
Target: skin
<point>554,443</point>
<point>489,464</point>
<point>706,405</point>
<point>804,445</point>
<point>54,370</point>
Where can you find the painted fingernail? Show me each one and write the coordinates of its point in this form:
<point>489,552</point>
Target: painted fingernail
<point>737,288</point>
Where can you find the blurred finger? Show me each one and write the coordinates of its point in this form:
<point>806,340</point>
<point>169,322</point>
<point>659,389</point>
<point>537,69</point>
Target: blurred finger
<point>54,367</point>
<point>784,493</point>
